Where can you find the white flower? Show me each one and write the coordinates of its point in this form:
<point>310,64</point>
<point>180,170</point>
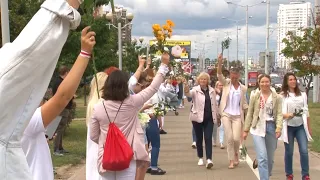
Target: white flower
<point>144,118</point>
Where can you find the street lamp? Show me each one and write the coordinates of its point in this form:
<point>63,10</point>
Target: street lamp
<point>119,18</point>
<point>5,22</point>
<point>247,32</point>
<point>141,39</point>
<point>237,23</point>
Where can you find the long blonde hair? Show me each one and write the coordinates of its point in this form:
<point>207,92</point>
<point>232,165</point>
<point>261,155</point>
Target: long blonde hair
<point>94,96</point>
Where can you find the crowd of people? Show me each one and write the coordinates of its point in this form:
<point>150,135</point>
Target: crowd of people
<point>117,99</point>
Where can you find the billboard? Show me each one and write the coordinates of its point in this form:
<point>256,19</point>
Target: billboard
<point>179,50</point>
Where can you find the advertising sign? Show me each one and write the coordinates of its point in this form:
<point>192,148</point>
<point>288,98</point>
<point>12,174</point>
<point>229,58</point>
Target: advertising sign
<point>179,50</point>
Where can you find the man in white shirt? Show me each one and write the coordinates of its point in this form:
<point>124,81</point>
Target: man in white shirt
<point>26,67</point>
<point>34,143</point>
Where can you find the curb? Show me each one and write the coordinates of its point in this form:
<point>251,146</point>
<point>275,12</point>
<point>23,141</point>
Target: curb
<point>75,176</point>
<point>315,154</point>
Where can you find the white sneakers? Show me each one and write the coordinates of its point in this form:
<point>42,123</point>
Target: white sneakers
<point>208,165</point>
<point>194,145</point>
<point>200,162</point>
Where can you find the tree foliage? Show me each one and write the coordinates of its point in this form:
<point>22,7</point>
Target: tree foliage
<point>303,51</point>
<point>20,13</point>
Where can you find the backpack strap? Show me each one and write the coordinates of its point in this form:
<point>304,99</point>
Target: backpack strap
<point>108,114</point>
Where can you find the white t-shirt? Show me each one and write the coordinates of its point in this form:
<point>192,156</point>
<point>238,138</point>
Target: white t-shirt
<point>36,148</point>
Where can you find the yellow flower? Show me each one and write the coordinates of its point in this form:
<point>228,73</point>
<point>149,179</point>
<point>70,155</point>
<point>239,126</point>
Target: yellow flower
<point>160,37</point>
<point>166,27</point>
<point>156,27</point>
<point>160,33</point>
<point>170,23</point>
<point>169,34</point>
<point>170,30</point>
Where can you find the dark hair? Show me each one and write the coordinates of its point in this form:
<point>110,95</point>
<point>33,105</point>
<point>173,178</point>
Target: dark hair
<point>63,70</point>
<point>285,86</point>
<point>234,70</point>
<point>116,86</point>
<point>143,77</point>
<point>257,83</point>
<point>262,76</point>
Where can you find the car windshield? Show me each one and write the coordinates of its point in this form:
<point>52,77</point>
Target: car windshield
<point>252,80</point>
<point>276,80</point>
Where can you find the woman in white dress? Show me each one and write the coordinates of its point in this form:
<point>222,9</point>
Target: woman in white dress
<point>92,148</point>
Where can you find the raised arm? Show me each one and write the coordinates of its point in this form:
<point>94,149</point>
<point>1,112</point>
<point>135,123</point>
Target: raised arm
<point>142,97</point>
<point>69,85</point>
<point>221,78</point>
<point>94,128</point>
<point>140,69</point>
<point>27,64</point>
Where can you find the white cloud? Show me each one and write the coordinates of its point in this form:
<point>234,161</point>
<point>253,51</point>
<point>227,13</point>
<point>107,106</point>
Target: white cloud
<point>195,19</point>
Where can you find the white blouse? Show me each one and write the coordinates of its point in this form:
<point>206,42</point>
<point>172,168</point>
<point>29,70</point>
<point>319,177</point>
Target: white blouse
<point>233,105</point>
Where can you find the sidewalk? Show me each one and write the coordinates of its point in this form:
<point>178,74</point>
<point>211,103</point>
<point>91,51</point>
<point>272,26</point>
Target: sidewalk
<point>180,160</point>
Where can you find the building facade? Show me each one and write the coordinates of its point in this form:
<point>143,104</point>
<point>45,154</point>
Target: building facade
<point>121,12</point>
<point>291,17</point>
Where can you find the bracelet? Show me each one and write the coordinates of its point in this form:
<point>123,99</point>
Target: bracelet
<point>85,54</point>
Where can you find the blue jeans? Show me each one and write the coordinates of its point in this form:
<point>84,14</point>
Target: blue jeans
<point>215,133</point>
<point>265,147</point>
<point>194,138</point>
<point>153,135</point>
<point>300,134</point>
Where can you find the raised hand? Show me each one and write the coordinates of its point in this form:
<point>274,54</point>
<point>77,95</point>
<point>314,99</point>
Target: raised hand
<point>220,58</point>
<point>142,61</point>
<point>87,40</point>
<point>149,61</point>
<point>165,58</point>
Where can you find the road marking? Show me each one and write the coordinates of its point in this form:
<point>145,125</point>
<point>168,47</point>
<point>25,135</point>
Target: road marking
<point>250,162</point>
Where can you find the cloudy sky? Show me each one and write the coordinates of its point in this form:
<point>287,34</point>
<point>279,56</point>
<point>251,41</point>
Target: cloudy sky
<point>201,22</point>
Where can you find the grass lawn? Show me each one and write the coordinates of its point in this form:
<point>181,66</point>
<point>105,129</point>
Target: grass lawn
<point>315,126</point>
<point>75,142</point>
<point>81,109</point>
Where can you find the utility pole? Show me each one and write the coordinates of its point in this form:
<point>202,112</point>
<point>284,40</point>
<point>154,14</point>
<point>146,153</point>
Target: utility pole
<point>247,44</point>
<point>266,65</point>
<point>5,22</point>
<point>316,95</point>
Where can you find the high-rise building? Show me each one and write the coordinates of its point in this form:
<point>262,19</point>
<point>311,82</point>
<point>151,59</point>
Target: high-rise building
<point>122,12</point>
<point>291,17</point>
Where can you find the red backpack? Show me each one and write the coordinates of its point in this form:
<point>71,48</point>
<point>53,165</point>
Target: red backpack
<point>117,153</point>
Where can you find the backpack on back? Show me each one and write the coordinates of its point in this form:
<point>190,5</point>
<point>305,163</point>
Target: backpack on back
<point>117,153</point>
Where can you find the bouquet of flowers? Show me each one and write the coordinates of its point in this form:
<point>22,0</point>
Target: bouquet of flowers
<point>225,44</point>
<point>298,112</point>
<point>143,118</point>
<point>243,152</point>
<point>161,34</point>
<point>160,109</point>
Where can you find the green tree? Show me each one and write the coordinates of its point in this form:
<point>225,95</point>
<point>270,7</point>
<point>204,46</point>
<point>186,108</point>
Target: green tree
<point>130,58</point>
<point>20,13</point>
<point>303,51</point>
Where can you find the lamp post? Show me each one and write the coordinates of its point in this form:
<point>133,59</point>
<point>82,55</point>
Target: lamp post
<point>5,22</point>
<point>119,18</point>
<point>247,38</point>
<point>237,23</point>
<point>141,39</point>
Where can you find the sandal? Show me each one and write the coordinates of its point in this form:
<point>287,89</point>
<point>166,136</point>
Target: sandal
<point>157,172</point>
<point>255,164</point>
<point>231,167</point>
